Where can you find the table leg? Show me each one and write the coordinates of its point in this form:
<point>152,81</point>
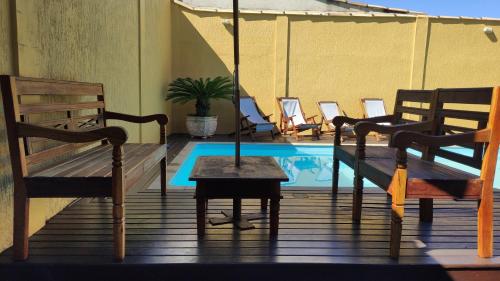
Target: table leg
<point>274,217</point>
<point>236,209</point>
<point>200,215</point>
<point>263,204</point>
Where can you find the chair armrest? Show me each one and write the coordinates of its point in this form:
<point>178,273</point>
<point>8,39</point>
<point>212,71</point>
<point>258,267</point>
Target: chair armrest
<point>115,135</point>
<point>404,139</point>
<point>162,119</point>
<point>312,118</point>
<point>266,117</point>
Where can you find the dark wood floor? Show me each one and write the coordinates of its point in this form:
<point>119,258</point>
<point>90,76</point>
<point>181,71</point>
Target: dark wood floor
<point>317,241</point>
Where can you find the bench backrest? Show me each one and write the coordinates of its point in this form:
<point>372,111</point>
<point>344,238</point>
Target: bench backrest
<point>459,111</point>
<point>414,105</point>
<point>57,104</point>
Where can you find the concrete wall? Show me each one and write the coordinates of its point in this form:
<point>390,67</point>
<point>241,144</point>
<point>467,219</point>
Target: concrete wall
<point>336,57</point>
<point>123,44</point>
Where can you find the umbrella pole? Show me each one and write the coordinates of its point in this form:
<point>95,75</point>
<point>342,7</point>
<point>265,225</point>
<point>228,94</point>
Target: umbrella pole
<point>236,83</point>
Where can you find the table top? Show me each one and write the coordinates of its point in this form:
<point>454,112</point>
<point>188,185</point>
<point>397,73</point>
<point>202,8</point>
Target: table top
<point>213,168</point>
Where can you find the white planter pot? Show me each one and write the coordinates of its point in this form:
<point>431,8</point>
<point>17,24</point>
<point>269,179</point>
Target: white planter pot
<point>201,126</point>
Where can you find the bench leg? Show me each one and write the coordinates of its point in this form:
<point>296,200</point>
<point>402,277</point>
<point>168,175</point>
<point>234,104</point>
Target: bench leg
<point>163,176</point>
<point>335,176</point>
<point>485,227</point>
<point>263,204</point>
<point>21,225</point>
<point>357,199</point>
<point>426,209</point>
<point>274,217</point>
<point>119,228</point>
<point>398,186</point>
<point>118,195</point>
<point>396,229</point>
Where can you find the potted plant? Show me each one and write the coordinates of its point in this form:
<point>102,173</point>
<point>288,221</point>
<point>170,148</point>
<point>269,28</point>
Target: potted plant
<point>183,90</point>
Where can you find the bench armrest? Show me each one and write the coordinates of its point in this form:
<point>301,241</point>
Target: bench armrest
<point>405,139</point>
<point>363,128</point>
<point>339,121</point>
<point>162,119</point>
<point>115,135</point>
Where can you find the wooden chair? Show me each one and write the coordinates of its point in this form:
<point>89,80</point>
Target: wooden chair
<point>253,120</point>
<point>60,147</point>
<point>293,118</point>
<point>409,177</point>
<point>374,107</point>
<point>330,110</point>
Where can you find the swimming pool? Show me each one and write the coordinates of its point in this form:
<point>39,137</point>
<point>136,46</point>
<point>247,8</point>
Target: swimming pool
<point>305,165</point>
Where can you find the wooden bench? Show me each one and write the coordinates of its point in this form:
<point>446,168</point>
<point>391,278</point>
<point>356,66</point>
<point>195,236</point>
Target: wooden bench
<point>413,110</point>
<point>409,177</point>
<point>60,147</point>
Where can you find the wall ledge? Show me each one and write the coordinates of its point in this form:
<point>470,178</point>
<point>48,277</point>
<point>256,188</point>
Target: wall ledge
<point>327,14</point>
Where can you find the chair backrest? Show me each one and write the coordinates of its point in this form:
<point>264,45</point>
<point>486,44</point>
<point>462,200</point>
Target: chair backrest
<point>329,110</point>
<point>459,111</point>
<point>290,107</point>
<point>248,108</point>
<point>64,105</point>
<point>373,107</point>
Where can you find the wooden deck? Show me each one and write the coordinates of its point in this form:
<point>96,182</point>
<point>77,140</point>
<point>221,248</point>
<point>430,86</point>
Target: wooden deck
<point>317,241</point>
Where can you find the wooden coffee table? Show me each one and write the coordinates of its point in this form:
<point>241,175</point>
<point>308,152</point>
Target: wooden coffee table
<point>258,178</point>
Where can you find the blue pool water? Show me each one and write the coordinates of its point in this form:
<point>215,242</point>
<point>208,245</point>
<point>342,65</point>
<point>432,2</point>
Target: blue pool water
<point>305,165</point>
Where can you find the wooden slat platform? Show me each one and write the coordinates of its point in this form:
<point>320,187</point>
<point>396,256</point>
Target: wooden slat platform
<point>314,230</point>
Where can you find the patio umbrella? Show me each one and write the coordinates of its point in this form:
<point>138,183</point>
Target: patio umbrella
<point>236,89</point>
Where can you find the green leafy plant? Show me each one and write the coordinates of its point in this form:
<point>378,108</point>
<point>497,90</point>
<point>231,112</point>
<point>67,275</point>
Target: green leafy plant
<point>183,90</point>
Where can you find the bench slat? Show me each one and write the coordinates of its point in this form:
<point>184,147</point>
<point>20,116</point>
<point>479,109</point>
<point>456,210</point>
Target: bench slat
<point>413,110</point>
<point>466,96</point>
<point>423,96</point>
<point>464,114</point>
<point>28,86</point>
<point>58,107</point>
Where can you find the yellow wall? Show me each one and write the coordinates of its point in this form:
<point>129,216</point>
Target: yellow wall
<point>155,63</point>
<point>460,54</point>
<point>342,58</point>
<point>123,44</point>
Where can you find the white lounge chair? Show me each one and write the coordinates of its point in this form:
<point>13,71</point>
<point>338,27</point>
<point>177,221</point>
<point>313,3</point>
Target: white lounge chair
<point>374,107</point>
<point>293,118</point>
<point>252,118</point>
<point>330,110</point>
